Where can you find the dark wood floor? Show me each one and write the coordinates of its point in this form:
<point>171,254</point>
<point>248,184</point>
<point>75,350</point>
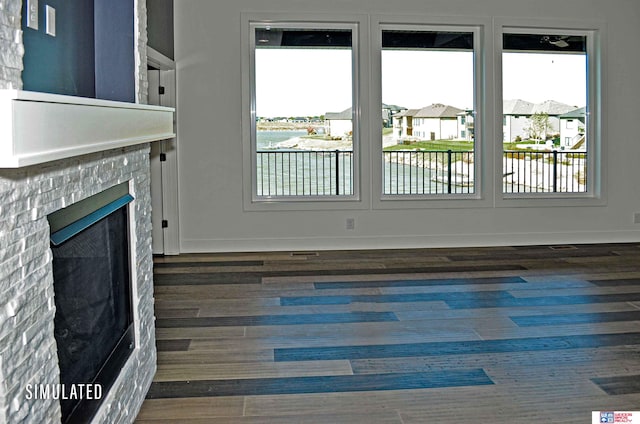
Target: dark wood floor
<point>491,335</point>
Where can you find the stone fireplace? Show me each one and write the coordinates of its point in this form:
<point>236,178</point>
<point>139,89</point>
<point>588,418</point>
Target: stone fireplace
<point>54,152</point>
<point>29,355</point>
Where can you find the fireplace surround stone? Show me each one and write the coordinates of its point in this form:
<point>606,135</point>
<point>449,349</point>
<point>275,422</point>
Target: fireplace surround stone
<point>27,344</point>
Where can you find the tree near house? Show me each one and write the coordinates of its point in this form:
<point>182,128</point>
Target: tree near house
<point>539,126</point>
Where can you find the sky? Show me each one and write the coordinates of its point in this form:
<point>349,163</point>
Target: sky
<point>298,82</point>
<point>537,77</point>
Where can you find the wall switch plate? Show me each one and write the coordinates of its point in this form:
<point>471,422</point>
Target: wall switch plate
<point>50,20</point>
<point>32,14</point>
<point>636,218</point>
<point>351,224</point>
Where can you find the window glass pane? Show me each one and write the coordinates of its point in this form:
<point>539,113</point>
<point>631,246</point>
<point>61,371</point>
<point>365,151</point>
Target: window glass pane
<point>545,136</point>
<point>428,112</point>
<point>303,99</point>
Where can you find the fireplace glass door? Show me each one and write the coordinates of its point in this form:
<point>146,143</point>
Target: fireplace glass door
<point>93,321</point>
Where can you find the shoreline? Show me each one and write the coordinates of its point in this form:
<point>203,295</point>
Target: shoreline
<point>299,143</point>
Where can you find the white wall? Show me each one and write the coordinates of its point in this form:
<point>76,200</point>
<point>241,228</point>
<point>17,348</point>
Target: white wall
<point>443,129</point>
<point>214,218</point>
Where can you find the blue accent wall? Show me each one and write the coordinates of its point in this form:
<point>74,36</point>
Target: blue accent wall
<point>92,54</point>
<point>114,53</point>
<point>63,64</point>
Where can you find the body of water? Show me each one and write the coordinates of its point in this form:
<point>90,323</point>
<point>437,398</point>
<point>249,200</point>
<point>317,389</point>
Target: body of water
<point>269,139</point>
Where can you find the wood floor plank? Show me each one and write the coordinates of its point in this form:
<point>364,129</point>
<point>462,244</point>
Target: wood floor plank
<point>510,287</point>
<point>586,360</point>
<point>624,327</point>
<point>529,321</point>
<point>163,278</point>
<point>200,333</point>
<point>419,283</point>
<point>411,330</point>
<point>235,371</point>
<point>211,356</point>
<point>249,310</point>
<point>619,385</point>
<point>574,291</point>
<point>420,314</point>
<point>178,345</point>
<point>255,320</point>
<point>190,408</point>
<point>617,282</point>
<point>447,348</point>
<point>321,336</point>
<point>542,300</point>
<point>387,298</point>
<point>322,384</point>
<point>222,263</point>
<point>177,313</point>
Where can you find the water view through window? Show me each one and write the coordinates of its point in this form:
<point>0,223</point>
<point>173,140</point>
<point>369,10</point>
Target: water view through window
<point>428,136</point>
<point>304,132</point>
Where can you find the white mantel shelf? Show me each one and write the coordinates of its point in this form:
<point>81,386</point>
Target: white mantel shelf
<point>39,127</point>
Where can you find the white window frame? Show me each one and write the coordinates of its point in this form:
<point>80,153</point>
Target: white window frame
<point>595,126</point>
<point>357,24</point>
<point>483,155</point>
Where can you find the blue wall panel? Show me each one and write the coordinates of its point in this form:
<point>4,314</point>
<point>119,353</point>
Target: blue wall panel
<point>63,64</point>
<point>115,61</point>
<point>92,54</point>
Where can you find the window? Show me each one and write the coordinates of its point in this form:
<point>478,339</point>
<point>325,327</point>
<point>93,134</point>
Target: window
<point>545,83</point>
<point>428,78</point>
<point>304,132</point>
<point>311,86</point>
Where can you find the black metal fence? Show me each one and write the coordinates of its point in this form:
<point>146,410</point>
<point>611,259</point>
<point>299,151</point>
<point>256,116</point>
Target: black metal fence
<point>544,172</point>
<point>329,173</point>
<point>304,173</point>
<point>428,172</point>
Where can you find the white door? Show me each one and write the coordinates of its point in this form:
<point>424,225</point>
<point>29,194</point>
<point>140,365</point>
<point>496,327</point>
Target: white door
<point>164,171</point>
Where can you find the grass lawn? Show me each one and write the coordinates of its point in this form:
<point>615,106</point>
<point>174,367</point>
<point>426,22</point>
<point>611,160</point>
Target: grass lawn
<point>453,145</point>
<point>436,145</point>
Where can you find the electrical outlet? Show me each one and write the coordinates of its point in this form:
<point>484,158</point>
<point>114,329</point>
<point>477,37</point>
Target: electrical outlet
<point>351,223</point>
<point>32,14</point>
<point>636,218</point>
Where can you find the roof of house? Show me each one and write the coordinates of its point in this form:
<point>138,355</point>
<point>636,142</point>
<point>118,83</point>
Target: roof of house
<point>523,107</point>
<point>575,114</point>
<point>517,107</point>
<point>552,107</point>
<point>408,112</point>
<point>393,108</point>
<point>438,110</point>
<point>346,115</point>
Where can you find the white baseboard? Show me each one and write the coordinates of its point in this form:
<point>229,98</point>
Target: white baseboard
<point>404,242</point>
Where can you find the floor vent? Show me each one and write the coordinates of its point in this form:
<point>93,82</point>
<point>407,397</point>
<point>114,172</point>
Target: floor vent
<point>305,254</point>
<point>563,247</point>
